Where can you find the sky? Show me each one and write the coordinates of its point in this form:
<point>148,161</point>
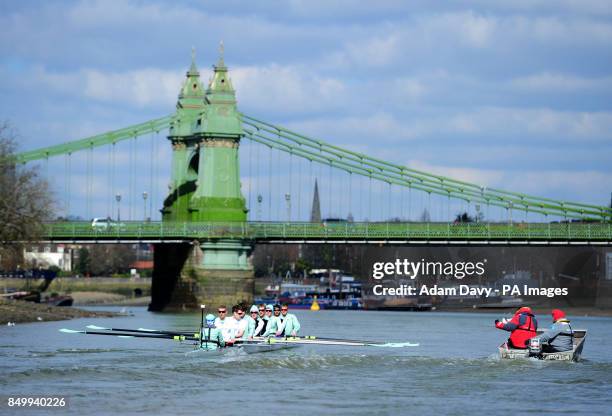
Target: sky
<point>509,94</point>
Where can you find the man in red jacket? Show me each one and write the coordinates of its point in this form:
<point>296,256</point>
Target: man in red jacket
<point>523,327</point>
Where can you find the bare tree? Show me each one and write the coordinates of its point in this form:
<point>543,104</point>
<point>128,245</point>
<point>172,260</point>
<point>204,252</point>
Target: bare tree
<point>25,202</point>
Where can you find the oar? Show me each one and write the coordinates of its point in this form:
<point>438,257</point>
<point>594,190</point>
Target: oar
<point>145,331</point>
<point>368,343</point>
<point>202,324</point>
<point>324,342</point>
<point>314,337</point>
<point>311,339</point>
<point>133,335</point>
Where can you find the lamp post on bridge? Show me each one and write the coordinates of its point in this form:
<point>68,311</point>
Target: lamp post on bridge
<point>144,200</point>
<point>288,200</point>
<point>118,199</point>
<point>510,206</point>
<point>259,201</point>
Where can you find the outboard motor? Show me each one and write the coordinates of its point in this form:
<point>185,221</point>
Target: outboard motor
<point>535,347</point>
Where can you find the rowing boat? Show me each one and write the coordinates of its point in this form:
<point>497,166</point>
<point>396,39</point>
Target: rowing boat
<point>240,349</point>
<point>265,347</point>
<point>248,346</point>
<point>573,355</point>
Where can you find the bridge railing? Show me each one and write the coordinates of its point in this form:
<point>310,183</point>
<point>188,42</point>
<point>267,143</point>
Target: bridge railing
<point>330,231</point>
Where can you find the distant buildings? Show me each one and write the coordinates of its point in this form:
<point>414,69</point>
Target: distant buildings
<point>47,255</point>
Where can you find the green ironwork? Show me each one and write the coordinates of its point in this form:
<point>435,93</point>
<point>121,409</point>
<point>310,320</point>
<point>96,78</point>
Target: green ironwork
<point>205,137</point>
<point>218,196</point>
<point>112,137</point>
<point>361,164</point>
<point>262,231</point>
<point>206,177</point>
<point>205,133</point>
<point>185,156</point>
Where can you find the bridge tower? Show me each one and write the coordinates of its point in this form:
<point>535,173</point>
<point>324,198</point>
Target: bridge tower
<point>205,187</point>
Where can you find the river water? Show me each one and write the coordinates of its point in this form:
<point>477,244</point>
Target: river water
<point>454,370</point>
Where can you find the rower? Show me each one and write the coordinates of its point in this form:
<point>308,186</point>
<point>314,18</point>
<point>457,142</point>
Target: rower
<point>290,326</point>
<point>269,310</point>
<point>262,320</point>
<point>253,322</point>
<point>223,323</point>
<point>211,336</point>
<point>274,322</point>
<point>560,337</point>
<point>237,324</point>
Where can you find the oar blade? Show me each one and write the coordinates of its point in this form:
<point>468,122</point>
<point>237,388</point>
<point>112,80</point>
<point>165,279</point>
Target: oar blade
<point>395,345</point>
<point>98,328</point>
<point>71,331</point>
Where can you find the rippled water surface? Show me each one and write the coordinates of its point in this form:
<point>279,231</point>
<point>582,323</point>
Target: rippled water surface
<point>454,370</point>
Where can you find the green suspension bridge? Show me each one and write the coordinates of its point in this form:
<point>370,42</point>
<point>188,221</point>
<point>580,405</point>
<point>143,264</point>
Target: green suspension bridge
<point>207,201</point>
<point>209,119</point>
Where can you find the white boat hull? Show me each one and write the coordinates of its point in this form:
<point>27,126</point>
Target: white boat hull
<point>238,349</point>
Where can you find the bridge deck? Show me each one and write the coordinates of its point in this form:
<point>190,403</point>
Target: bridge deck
<point>307,232</point>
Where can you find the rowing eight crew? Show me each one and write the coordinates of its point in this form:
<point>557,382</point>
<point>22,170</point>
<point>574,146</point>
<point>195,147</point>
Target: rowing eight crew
<point>264,321</point>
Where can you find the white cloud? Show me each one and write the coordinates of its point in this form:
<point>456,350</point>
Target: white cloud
<point>364,129</point>
<point>469,28</point>
<point>482,177</point>
<point>547,183</point>
<point>555,82</point>
<point>139,87</point>
<point>374,52</point>
<point>285,89</point>
<point>410,88</point>
<point>575,7</point>
<point>98,13</point>
<point>569,31</point>
<point>493,123</point>
<point>269,88</point>
<point>541,124</point>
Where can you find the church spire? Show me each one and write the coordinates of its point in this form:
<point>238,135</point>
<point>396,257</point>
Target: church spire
<point>315,213</point>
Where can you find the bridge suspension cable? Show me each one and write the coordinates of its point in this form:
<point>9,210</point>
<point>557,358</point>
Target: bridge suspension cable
<point>322,152</point>
<point>97,140</point>
<point>315,151</point>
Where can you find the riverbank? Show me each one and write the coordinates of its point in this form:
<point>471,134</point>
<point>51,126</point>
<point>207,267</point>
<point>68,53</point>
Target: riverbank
<point>89,291</point>
<point>18,311</point>
<point>88,298</point>
<point>68,285</point>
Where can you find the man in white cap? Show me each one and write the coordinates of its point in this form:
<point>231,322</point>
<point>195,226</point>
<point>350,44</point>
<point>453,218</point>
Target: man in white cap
<point>274,323</point>
<point>252,322</point>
